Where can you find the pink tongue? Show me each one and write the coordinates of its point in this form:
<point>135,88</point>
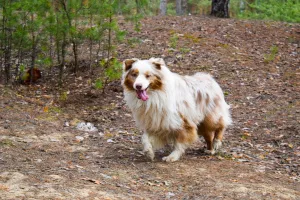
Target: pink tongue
<point>142,95</point>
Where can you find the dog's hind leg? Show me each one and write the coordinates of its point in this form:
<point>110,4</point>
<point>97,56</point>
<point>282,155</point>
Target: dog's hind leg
<point>209,138</point>
<point>148,149</point>
<point>219,134</point>
<point>218,138</point>
<point>207,132</point>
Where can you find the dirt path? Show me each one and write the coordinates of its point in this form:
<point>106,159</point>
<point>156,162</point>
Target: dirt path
<point>43,157</point>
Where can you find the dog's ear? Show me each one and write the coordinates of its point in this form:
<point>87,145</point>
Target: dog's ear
<point>158,62</point>
<point>127,64</point>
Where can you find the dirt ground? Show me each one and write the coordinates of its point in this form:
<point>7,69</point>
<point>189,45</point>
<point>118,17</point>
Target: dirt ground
<point>44,156</point>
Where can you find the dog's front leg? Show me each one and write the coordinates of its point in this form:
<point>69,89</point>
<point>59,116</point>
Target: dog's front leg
<point>176,153</point>
<point>183,138</point>
<point>148,149</point>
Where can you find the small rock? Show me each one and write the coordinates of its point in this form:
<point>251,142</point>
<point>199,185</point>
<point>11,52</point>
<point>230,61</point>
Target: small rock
<point>79,138</point>
<point>66,124</point>
<point>54,140</point>
<point>170,194</point>
<point>101,134</point>
<point>82,126</point>
<point>105,176</point>
<point>110,141</point>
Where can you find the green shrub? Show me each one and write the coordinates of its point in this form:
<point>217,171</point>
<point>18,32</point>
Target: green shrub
<point>277,10</point>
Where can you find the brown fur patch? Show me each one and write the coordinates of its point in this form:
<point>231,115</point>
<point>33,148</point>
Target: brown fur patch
<point>199,98</point>
<point>130,78</point>
<point>211,129</point>
<point>156,83</point>
<point>217,101</point>
<point>128,64</point>
<point>219,132</point>
<point>188,133</point>
<point>207,99</point>
<point>186,104</point>
<point>157,66</point>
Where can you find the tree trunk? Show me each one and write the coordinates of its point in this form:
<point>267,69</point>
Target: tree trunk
<point>7,40</point>
<point>219,8</point>
<point>184,7</point>
<point>138,6</point>
<point>178,7</point>
<point>163,7</point>
<point>63,55</point>
<point>33,49</point>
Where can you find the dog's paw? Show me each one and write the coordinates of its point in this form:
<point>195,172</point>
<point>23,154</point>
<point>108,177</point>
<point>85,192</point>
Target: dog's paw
<point>171,158</point>
<point>210,152</point>
<point>217,144</point>
<point>149,153</point>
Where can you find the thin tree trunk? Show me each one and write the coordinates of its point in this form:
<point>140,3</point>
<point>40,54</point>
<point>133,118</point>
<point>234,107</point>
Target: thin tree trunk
<point>19,60</point>
<point>184,7</point>
<point>63,55</point>
<point>98,51</point>
<point>7,45</point>
<point>73,40</point>
<point>91,45</point>
<point>2,44</point>
<point>51,53</point>
<point>75,56</point>
<point>109,38</point>
<point>178,7</point>
<point>33,50</point>
<point>219,8</point>
<point>138,6</point>
<point>7,57</point>
<point>57,43</point>
<point>163,7</point>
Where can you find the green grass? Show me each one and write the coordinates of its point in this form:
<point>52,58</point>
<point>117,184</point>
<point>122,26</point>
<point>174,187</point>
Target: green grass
<point>287,11</point>
<point>6,142</point>
<point>271,56</point>
<point>174,41</point>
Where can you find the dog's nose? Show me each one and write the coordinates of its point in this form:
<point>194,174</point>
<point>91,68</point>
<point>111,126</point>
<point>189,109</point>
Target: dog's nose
<point>138,86</point>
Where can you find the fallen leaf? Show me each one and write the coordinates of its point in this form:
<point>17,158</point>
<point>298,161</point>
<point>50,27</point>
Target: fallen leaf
<point>46,109</point>
<point>3,188</point>
<point>92,180</point>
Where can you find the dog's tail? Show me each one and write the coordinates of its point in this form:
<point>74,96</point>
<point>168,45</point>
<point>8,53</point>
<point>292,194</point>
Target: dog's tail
<point>226,115</point>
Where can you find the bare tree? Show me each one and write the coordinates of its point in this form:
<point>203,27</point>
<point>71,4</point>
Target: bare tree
<point>178,7</point>
<point>163,7</point>
<point>184,5</point>
<point>181,7</point>
<point>219,8</point>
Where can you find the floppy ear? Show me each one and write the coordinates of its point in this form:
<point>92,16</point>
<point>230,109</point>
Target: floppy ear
<point>158,62</point>
<point>127,64</point>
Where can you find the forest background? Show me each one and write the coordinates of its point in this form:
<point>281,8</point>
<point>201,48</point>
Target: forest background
<point>51,35</point>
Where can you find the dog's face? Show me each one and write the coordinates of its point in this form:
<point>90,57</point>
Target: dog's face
<point>143,76</point>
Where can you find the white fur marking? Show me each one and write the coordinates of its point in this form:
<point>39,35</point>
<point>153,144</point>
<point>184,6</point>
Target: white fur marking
<point>176,153</point>
<point>147,146</point>
<point>217,144</point>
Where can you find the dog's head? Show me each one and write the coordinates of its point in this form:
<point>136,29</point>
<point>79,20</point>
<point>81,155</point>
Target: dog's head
<point>143,76</point>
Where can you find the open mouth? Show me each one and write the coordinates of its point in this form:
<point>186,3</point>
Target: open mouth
<point>142,94</point>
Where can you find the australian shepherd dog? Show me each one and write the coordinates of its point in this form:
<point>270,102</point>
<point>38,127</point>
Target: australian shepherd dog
<point>174,109</point>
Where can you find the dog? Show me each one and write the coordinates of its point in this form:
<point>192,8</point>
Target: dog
<point>174,109</point>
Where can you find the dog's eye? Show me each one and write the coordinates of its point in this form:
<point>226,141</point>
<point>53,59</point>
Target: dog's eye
<point>148,76</point>
<point>134,75</point>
